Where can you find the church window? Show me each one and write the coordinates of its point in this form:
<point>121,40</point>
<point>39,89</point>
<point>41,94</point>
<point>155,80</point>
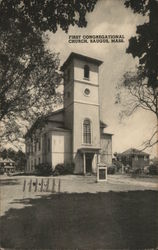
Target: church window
<point>87,131</point>
<point>86,71</point>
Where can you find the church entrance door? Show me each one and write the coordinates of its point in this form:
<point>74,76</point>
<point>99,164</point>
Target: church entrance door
<point>89,158</point>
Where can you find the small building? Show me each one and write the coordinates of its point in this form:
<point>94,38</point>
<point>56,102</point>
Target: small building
<point>74,134</point>
<point>7,166</point>
<point>134,158</point>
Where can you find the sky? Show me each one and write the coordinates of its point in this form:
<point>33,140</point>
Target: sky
<point>110,17</point>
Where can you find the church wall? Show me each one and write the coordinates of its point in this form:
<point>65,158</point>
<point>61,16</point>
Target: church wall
<point>68,85</point>
<point>69,117</point>
<point>56,147</point>
<point>61,148</point>
<point>33,154</point>
<point>80,96</point>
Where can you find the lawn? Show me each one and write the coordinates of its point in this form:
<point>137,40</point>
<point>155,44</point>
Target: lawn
<point>125,220</point>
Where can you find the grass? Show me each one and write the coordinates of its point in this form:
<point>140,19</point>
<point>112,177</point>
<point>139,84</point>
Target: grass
<point>125,220</point>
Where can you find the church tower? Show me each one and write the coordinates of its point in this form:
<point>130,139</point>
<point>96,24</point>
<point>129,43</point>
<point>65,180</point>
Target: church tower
<point>81,109</point>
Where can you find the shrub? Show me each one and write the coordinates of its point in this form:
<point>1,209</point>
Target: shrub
<point>146,170</point>
<point>43,169</point>
<point>59,169</point>
<point>69,168</point>
<point>111,170</point>
<point>153,169</point>
<point>64,169</point>
<point>118,165</point>
<point>1,170</point>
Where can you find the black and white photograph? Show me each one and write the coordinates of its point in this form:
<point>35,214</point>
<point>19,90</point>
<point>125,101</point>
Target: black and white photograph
<point>79,124</point>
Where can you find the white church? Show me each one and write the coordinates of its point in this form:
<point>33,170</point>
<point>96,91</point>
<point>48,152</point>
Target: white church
<point>75,133</point>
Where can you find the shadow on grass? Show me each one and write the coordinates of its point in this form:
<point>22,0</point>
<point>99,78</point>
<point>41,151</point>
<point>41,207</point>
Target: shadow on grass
<point>86,221</point>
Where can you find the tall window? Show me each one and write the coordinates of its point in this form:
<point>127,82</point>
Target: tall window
<point>87,131</point>
<point>86,71</point>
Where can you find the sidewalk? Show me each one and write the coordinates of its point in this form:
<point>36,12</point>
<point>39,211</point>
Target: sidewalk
<point>143,182</point>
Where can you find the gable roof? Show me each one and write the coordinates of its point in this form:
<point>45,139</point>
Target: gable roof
<point>134,151</point>
<point>8,160</point>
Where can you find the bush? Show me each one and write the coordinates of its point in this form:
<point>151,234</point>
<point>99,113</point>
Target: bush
<point>64,169</point>
<point>118,165</point>
<point>1,170</point>
<point>153,169</point>
<point>111,170</point>
<point>69,168</point>
<point>43,169</point>
<point>59,169</point>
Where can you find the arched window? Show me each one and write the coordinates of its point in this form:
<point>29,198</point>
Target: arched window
<point>86,71</point>
<point>87,131</point>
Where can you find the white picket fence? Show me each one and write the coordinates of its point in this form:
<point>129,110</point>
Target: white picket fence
<point>42,185</point>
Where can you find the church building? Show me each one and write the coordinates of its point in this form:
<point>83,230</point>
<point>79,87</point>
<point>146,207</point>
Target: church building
<point>75,133</point>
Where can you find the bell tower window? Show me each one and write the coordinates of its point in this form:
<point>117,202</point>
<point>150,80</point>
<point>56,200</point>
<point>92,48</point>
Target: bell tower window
<point>87,131</point>
<point>86,71</point>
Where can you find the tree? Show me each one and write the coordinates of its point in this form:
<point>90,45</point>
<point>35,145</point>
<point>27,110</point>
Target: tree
<point>134,93</point>
<point>48,14</point>
<point>28,77</point>
<point>145,44</point>
<point>140,89</point>
<point>29,74</point>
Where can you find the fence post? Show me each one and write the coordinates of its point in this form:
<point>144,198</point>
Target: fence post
<point>47,186</point>
<point>24,186</point>
<point>30,185</point>
<point>36,185</point>
<point>59,184</point>
<point>53,186</point>
<point>41,185</point>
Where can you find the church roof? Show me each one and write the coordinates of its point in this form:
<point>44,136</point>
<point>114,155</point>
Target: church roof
<point>51,117</point>
<point>81,57</point>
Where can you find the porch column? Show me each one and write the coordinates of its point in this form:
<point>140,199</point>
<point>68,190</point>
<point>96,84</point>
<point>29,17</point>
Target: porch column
<point>84,163</point>
<point>98,158</point>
